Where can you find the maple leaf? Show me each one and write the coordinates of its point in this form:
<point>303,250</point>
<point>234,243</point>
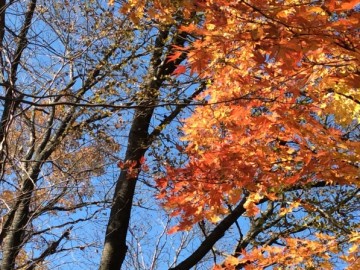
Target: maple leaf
<point>179,70</point>
<point>173,230</point>
<point>231,261</point>
<point>250,204</point>
<point>346,5</point>
<point>174,56</point>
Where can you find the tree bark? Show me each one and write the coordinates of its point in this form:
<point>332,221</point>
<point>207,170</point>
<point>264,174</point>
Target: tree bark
<point>139,141</point>
<point>14,231</point>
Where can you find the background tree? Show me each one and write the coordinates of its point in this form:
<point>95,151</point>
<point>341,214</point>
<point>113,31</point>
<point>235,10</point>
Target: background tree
<point>75,76</point>
<point>51,147</point>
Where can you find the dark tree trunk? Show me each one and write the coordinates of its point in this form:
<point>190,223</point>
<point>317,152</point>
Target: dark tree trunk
<point>139,141</point>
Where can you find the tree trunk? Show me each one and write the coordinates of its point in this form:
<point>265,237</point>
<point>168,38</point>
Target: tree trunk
<point>18,220</point>
<point>139,141</point>
<point>115,248</point>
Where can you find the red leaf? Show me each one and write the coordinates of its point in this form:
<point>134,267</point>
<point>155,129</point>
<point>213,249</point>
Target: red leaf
<point>174,56</point>
<point>179,70</point>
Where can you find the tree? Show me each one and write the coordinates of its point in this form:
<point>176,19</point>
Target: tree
<point>51,141</point>
<point>88,91</point>
<point>73,75</point>
<point>278,146</point>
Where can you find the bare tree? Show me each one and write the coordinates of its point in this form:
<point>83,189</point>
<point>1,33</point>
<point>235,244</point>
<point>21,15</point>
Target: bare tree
<point>76,78</point>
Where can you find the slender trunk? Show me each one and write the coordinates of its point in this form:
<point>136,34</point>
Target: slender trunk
<point>15,232</point>
<point>12,101</point>
<point>115,248</point>
<point>115,240</point>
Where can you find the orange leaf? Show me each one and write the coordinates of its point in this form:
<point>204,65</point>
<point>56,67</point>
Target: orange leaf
<point>345,5</point>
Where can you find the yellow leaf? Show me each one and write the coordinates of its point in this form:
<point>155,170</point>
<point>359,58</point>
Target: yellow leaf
<point>353,248</point>
<point>231,261</point>
<point>214,218</point>
<point>210,26</point>
<point>251,208</point>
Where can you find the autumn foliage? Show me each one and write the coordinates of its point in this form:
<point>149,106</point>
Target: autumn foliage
<point>262,172</point>
<point>280,113</point>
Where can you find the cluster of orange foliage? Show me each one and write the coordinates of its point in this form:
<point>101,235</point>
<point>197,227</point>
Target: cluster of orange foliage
<point>298,251</point>
<point>276,70</point>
